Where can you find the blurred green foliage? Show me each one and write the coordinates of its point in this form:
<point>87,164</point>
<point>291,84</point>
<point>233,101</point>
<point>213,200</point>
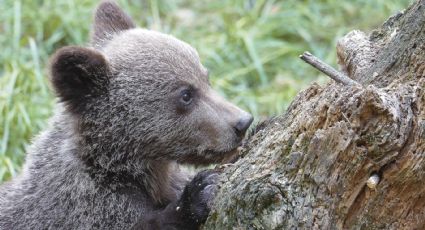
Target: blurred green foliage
<point>251,48</point>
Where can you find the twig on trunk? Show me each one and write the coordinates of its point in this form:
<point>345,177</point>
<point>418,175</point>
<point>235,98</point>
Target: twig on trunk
<point>328,70</point>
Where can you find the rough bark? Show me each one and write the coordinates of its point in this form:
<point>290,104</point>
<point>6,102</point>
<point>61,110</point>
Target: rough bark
<point>308,169</point>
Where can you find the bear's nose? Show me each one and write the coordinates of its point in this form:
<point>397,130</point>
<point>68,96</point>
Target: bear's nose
<point>243,124</point>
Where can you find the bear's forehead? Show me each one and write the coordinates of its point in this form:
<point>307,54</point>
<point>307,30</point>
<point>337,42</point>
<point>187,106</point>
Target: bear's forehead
<point>142,43</point>
<point>142,50</point>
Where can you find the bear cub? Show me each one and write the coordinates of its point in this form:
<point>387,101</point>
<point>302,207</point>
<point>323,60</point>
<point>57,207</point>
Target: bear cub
<point>132,107</point>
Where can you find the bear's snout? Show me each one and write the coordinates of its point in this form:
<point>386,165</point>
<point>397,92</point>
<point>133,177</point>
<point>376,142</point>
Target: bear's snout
<point>243,124</point>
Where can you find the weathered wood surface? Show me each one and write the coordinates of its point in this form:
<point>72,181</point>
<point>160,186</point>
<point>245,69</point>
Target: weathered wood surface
<point>308,168</point>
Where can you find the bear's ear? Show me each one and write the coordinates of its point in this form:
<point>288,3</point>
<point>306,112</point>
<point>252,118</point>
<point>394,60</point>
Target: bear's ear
<point>109,19</point>
<point>78,74</point>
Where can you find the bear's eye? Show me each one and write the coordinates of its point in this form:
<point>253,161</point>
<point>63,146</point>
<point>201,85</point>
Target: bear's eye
<point>186,96</point>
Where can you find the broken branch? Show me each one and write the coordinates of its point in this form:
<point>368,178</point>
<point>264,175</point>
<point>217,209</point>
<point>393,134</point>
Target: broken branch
<point>328,70</point>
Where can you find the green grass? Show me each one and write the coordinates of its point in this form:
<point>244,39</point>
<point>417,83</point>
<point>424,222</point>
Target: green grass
<point>250,47</point>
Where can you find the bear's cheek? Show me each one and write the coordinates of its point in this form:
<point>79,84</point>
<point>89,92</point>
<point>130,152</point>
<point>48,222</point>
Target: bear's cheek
<point>208,134</point>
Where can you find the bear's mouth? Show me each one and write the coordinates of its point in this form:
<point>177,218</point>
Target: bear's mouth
<point>228,156</point>
<point>221,152</point>
<point>223,156</point>
<point>211,156</point>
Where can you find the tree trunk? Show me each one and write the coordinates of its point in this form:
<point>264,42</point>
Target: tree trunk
<point>342,156</point>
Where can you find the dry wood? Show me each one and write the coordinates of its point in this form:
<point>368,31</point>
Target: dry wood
<point>341,157</point>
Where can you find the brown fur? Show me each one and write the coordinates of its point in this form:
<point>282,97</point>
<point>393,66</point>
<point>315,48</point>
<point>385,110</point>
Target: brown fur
<point>132,108</point>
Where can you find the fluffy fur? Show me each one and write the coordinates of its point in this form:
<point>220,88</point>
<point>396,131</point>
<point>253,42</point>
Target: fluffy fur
<point>132,107</point>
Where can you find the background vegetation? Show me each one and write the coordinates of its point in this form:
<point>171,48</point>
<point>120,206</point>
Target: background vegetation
<point>251,48</point>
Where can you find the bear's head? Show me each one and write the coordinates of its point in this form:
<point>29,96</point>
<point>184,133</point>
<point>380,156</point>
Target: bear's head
<point>137,95</point>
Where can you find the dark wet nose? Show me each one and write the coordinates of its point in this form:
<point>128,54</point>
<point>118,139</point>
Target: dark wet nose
<point>243,125</point>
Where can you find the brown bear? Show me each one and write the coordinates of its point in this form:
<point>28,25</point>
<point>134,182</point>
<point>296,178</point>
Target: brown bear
<point>132,107</point>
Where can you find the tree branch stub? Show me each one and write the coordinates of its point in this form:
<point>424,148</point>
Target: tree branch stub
<point>328,70</point>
